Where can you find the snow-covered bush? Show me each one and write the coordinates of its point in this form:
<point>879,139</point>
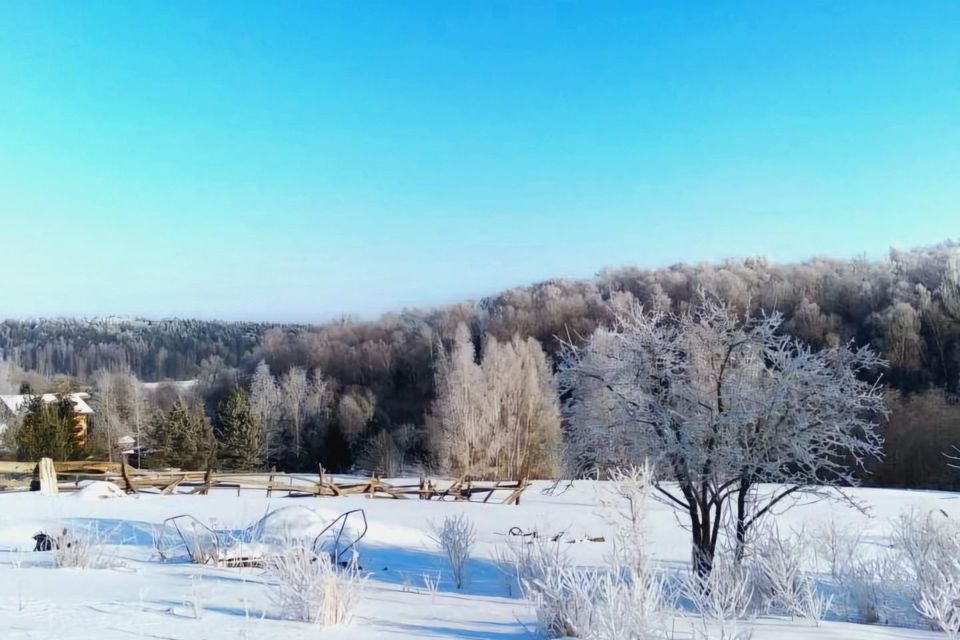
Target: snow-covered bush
<point>627,603</point>
<point>431,583</point>
<point>623,599</point>
<point>595,604</point>
<point>930,544</point>
<point>868,582</point>
<point>725,594</point>
<point>608,603</point>
<point>76,549</point>
<point>624,500</point>
<point>310,588</point>
<point>939,600</point>
<point>784,584</point>
<point>456,535</point>
<point>546,576</point>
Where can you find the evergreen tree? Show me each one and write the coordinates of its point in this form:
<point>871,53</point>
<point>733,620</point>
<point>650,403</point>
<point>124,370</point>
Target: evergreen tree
<point>181,437</point>
<point>47,430</point>
<point>239,433</point>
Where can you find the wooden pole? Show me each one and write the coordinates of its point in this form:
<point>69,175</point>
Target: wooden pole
<point>48,478</point>
<point>126,477</point>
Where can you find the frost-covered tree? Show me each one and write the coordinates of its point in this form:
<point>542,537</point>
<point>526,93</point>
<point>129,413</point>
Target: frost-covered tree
<point>9,376</point>
<point>461,409</point>
<point>119,406</point>
<point>526,413</point>
<point>300,413</point>
<point>718,404</point>
<point>355,411</point>
<point>266,408</point>
<point>293,394</point>
<point>499,417</point>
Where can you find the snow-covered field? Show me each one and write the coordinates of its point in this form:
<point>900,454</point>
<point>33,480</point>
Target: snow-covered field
<point>140,596</point>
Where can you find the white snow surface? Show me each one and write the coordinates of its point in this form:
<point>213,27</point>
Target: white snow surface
<point>97,490</point>
<point>142,597</point>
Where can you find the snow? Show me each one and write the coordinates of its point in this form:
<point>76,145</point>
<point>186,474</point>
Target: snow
<point>15,402</point>
<point>141,596</point>
<point>97,490</point>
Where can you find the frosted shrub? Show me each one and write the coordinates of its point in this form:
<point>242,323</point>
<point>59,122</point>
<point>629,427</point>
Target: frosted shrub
<point>627,604</point>
<point>725,594</point>
<point>596,604</point>
<point>939,600</point>
<point>786,587</point>
<point>626,495</point>
<point>309,588</point>
<point>456,536</point>
<point>78,550</point>
<point>930,545</point>
<point>869,584</point>
<point>563,597</point>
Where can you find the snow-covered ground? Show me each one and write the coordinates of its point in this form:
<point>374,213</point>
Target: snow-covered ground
<point>140,596</point>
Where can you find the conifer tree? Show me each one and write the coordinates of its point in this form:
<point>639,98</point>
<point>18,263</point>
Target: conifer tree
<point>239,433</point>
<point>181,437</point>
<point>47,430</point>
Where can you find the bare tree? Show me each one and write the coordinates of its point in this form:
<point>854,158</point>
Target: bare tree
<point>355,411</point>
<point>462,410</point>
<point>500,417</point>
<point>265,405</point>
<point>9,376</point>
<point>119,405</point>
<point>295,410</point>
<point>720,404</point>
<point>526,429</point>
<point>293,394</point>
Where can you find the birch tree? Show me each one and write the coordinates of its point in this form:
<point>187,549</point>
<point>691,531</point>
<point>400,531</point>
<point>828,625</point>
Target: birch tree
<point>718,404</point>
<point>526,413</point>
<point>293,394</point>
<point>295,412</point>
<point>499,417</point>
<point>120,408</point>
<point>461,408</point>
<point>265,406</point>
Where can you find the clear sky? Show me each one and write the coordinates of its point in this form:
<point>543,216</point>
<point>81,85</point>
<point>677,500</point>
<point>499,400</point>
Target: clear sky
<point>304,160</point>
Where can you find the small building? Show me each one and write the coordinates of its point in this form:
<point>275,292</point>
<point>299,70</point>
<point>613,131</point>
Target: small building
<point>10,406</point>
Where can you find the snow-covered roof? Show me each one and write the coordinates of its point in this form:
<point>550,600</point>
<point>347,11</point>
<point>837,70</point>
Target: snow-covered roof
<point>179,385</point>
<point>80,406</point>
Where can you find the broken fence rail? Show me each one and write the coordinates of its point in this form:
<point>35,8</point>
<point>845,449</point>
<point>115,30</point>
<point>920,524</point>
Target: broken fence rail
<point>171,481</point>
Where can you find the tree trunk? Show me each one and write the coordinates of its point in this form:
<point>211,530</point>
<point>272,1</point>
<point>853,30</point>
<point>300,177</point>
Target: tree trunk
<point>742,493</point>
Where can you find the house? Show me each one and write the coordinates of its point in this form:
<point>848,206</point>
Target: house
<point>10,406</point>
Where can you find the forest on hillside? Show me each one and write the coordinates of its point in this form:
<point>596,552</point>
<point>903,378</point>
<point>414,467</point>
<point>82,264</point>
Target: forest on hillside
<point>366,392</point>
<point>152,349</point>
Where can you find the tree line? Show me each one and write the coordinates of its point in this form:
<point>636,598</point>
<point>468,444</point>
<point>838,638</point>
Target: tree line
<point>396,392</point>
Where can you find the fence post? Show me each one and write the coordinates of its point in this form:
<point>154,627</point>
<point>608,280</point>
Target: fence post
<point>48,478</point>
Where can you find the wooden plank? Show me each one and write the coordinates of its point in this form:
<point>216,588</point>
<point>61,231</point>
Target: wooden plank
<point>167,490</point>
<point>73,466</point>
<point>126,479</point>
<point>48,478</point>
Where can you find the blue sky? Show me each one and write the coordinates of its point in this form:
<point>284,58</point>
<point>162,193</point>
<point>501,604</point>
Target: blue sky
<point>304,160</point>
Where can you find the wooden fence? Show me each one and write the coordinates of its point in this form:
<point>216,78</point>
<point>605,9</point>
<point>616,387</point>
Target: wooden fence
<point>174,481</point>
